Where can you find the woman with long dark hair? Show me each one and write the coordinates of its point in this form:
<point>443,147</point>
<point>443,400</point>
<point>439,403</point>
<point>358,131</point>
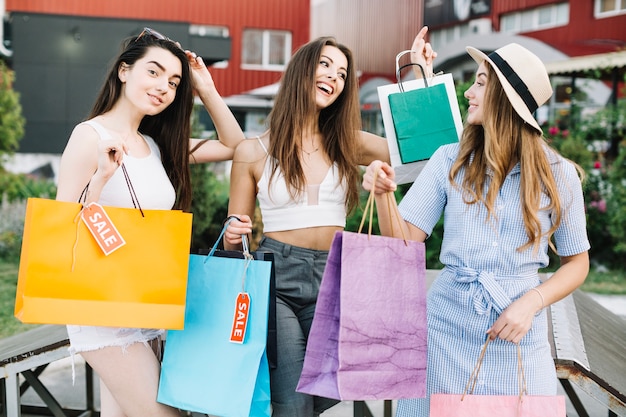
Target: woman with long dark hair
<point>141,117</point>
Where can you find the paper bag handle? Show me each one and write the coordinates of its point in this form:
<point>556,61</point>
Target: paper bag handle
<point>129,184</point>
<point>400,68</point>
<point>244,239</point>
<point>369,207</point>
<point>473,379</point>
<point>246,250</point>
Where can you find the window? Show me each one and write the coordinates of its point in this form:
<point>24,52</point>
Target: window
<point>509,23</point>
<point>265,49</point>
<point>608,8</point>
<point>202,31</point>
<point>444,36</point>
<point>206,30</point>
<point>536,19</point>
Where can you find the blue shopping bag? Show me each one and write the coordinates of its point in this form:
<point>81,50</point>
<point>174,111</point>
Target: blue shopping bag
<point>203,369</point>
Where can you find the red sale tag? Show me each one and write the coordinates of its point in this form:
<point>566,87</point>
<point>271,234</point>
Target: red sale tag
<point>240,322</point>
<point>101,228</point>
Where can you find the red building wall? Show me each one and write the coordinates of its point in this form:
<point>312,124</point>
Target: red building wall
<point>236,15</point>
<point>584,35</point>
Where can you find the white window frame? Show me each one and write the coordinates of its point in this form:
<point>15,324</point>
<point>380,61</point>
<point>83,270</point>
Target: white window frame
<point>514,20</point>
<point>620,8</point>
<point>448,35</point>
<point>209,30</point>
<point>265,54</point>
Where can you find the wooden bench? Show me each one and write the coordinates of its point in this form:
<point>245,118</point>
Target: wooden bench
<point>28,354</point>
<point>589,350</point>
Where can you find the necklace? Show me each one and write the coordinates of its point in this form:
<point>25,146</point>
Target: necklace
<point>312,152</point>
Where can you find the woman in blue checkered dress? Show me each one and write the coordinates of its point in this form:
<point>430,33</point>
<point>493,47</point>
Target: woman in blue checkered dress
<point>506,198</point>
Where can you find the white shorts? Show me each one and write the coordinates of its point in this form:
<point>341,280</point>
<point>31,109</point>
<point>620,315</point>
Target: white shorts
<point>86,338</point>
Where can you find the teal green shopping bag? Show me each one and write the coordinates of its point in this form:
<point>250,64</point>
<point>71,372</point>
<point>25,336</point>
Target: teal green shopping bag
<point>422,119</point>
<point>216,365</point>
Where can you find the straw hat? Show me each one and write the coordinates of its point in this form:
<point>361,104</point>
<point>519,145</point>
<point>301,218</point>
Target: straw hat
<point>523,77</point>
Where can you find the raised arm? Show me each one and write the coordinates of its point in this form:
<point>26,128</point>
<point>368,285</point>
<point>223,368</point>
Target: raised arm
<point>422,53</point>
<point>228,130</point>
<point>374,147</point>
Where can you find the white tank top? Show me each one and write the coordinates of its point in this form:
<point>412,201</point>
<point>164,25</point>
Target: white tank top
<point>152,186</point>
<point>319,205</point>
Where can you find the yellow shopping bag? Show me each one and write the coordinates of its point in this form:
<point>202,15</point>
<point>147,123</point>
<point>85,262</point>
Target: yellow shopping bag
<point>65,277</point>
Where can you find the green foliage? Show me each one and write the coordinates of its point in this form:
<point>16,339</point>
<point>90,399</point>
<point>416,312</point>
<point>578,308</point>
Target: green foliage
<point>209,203</point>
<point>586,143</point>
<point>14,188</point>
<point>573,146</point>
<point>433,246</point>
<point>353,221</point>
<point>14,191</point>
<point>11,120</point>
<point>602,281</point>
<point>209,206</point>
<point>9,325</point>
<point>21,186</point>
<point>596,192</point>
<point>461,88</point>
<point>604,124</point>
<point>616,205</point>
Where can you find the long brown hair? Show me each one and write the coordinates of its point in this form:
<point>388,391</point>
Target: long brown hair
<point>171,128</point>
<point>338,123</point>
<point>487,153</point>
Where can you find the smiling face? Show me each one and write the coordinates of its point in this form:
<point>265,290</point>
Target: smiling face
<point>330,76</point>
<point>151,82</point>
<point>476,96</point>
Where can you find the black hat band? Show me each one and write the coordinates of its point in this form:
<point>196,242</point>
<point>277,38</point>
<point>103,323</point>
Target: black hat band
<point>516,82</point>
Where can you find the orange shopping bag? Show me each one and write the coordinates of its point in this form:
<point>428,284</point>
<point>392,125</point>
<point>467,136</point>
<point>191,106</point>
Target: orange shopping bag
<point>65,277</point>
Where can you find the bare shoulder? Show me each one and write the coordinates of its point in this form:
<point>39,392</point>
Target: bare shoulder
<point>83,136</point>
<point>85,130</point>
<point>251,150</point>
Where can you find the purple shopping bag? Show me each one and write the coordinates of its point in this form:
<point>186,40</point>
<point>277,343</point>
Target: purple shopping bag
<point>368,336</point>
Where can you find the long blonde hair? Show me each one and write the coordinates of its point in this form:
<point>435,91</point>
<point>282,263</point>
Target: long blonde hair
<point>487,154</point>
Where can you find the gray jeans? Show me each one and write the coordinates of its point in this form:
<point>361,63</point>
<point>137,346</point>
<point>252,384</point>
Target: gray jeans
<point>298,276</point>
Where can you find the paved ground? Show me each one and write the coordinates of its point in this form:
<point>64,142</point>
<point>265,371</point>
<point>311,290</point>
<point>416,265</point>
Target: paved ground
<point>58,379</point>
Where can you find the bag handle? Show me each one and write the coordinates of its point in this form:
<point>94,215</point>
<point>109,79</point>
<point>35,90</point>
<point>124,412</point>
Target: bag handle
<point>473,379</point>
<point>246,250</point>
<point>129,184</point>
<point>369,207</point>
<point>244,239</point>
<point>400,68</point>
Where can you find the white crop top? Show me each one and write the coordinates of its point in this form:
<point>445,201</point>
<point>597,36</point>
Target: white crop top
<point>318,205</point>
<point>152,186</point>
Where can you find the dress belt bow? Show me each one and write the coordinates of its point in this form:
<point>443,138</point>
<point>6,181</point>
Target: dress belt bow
<point>487,293</point>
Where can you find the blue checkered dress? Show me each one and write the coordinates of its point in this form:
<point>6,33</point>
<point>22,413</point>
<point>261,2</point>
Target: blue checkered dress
<point>483,274</point>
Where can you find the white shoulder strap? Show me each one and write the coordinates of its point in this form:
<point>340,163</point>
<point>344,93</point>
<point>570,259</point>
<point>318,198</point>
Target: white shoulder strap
<point>104,134</point>
<point>258,138</point>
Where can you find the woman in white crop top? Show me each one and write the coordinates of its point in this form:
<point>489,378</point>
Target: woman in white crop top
<point>304,172</point>
<point>141,117</point>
